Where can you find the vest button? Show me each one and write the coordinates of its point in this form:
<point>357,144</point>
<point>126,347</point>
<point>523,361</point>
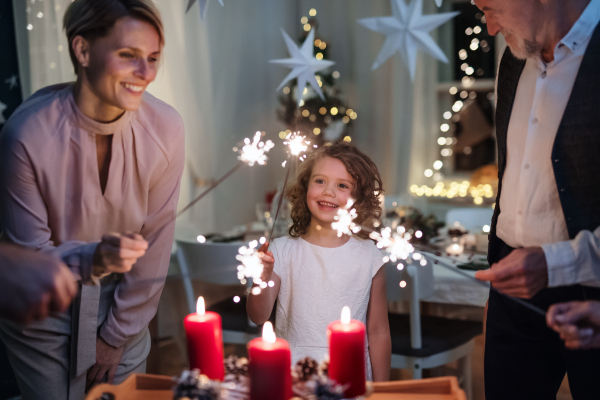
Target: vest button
<point>562,190</point>
<point>544,74</point>
<point>556,160</point>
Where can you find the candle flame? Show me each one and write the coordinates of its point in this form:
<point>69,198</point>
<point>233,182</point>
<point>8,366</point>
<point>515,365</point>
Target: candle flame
<point>345,315</point>
<point>268,335</point>
<point>200,308</point>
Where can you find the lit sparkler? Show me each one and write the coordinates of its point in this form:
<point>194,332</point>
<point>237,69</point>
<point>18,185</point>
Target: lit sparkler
<point>251,266</point>
<point>254,152</point>
<point>396,244</point>
<point>345,220</point>
<point>251,153</point>
<point>296,144</point>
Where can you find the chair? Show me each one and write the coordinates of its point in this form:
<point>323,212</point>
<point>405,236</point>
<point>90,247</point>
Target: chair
<point>471,218</point>
<point>421,341</point>
<point>216,263</point>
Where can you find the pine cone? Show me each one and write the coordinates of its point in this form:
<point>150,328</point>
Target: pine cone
<point>236,366</point>
<point>305,369</point>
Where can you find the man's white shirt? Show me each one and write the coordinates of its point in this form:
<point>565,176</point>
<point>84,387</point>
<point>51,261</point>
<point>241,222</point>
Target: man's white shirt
<point>531,212</point>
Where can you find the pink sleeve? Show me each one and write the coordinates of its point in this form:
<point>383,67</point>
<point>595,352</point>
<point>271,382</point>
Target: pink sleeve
<point>137,295</point>
<point>23,212</point>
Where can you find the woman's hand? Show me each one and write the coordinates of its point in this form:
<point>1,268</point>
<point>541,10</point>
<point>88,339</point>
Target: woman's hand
<point>268,262</point>
<point>118,253</point>
<point>107,361</point>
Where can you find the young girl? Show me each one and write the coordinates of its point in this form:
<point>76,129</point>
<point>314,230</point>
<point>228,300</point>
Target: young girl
<point>316,273</point>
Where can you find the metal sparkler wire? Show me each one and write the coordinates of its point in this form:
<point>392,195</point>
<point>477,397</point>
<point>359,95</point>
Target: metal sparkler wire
<point>480,283</point>
<point>281,196</point>
<point>297,145</point>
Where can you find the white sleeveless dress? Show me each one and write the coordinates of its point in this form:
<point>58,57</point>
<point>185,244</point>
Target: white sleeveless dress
<point>316,283</point>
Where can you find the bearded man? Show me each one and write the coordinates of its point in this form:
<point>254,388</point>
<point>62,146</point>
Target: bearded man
<point>545,236</point>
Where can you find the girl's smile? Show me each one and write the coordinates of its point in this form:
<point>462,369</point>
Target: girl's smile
<point>329,188</point>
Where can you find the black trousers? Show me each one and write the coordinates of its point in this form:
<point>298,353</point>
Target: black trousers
<point>524,359</point>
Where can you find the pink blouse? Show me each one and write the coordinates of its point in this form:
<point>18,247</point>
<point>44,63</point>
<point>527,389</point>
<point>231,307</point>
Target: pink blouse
<point>51,198</point>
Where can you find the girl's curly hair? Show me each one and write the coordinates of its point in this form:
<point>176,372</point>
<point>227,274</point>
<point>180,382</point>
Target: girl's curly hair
<point>365,194</point>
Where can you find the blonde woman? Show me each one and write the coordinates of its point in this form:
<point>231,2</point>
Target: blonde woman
<point>91,171</point>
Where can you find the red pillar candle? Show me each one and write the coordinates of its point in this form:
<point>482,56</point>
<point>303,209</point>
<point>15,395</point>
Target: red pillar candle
<point>270,367</point>
<point>205,341</point>
<point>347,354</point>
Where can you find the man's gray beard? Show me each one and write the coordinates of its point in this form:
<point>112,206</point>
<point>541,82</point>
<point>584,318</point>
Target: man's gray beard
<point>525,49</point>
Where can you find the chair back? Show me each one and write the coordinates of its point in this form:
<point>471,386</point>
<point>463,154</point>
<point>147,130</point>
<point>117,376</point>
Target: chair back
<point>470,217</point>
<point>210,262</point>
<point>419,285</point>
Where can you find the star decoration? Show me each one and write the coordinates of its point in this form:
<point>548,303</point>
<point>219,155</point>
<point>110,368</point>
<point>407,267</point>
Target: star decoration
<point>2,108</point>
<point>303,63</point>
<point>12,82</point>
<point>438,3</point>
<point>202,4</point>
<point>407,30</point>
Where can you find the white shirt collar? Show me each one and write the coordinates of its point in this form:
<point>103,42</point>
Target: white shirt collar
<point>582,30</point>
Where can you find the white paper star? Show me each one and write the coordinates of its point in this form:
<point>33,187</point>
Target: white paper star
<point>438,3</point>
<point>202,4</point>
<point>12,82</point>
<point>2,108</point>
<point>303,63</point>
<point>407,30</point>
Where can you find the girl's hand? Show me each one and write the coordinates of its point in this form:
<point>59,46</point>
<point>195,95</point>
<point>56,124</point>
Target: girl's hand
<point>268,262</point>
<point>118,253</point>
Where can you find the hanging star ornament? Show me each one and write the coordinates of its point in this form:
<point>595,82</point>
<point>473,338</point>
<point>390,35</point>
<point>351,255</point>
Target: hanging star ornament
<point>438,3</point>
<point>202,4</point>
<point>303,63</point>
<point>407,30</point>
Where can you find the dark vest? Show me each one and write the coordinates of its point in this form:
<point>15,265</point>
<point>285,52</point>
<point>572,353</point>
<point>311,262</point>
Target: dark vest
<point>576,150</point>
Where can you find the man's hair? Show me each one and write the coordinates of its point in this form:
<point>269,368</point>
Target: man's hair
<point>366,191</point>
<point>92,19</point>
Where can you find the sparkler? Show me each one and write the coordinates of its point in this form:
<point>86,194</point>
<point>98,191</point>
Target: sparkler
<point>297,146</point>
<point>344,220</point>
<point>253,152</point>
<point>397,245</point>
<point>251,266</point>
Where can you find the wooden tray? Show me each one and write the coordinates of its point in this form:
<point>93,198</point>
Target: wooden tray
<point>444,388</point>
<point>158,387</point>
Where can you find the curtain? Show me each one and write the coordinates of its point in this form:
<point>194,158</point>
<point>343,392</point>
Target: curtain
<point>216,74</point>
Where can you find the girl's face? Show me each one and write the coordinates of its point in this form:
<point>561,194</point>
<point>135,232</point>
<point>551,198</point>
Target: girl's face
<point>123,63</point>
<point>329,188</point>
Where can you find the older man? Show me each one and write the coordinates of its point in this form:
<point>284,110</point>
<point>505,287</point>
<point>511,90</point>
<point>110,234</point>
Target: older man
<point>545,237</point>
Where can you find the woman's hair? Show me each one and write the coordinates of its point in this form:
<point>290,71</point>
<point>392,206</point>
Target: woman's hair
<point>92,19</point>
<point>365,193</point>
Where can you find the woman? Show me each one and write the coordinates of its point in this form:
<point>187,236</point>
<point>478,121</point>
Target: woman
<point>79,161</point>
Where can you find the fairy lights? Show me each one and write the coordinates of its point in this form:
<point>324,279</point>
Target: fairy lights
<point>254,152</point>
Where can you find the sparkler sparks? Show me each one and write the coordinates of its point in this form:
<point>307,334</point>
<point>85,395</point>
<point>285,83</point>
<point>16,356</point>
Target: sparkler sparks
<point>296,144</point>
<point>345,220</point>
<point>254,152</point>
<point>251,267</point>
<point>396,244</point>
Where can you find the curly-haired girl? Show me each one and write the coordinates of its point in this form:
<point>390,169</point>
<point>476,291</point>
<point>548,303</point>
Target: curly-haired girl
<point>316,273</point>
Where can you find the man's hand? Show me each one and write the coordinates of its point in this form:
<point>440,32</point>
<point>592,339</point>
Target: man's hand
<point>107,361</point>
<point>118,253</point>
<point>268,262</point>
<point>522,273</point>
<point>33,284</point>
<point>577,322</point>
